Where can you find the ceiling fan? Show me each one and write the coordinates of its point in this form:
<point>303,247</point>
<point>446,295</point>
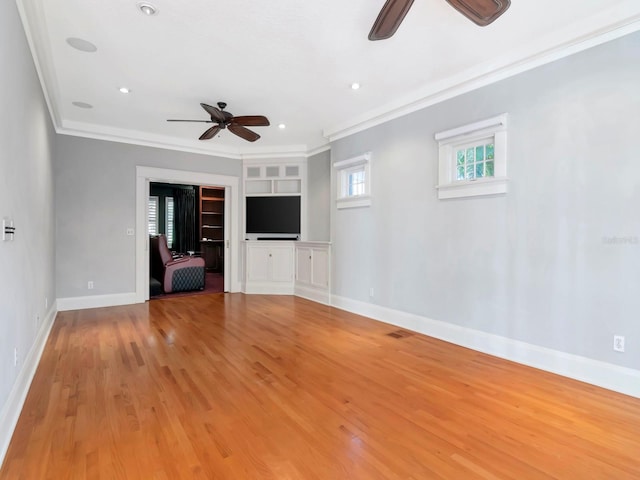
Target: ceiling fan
<point>481,12</point>
<point>224,120</point>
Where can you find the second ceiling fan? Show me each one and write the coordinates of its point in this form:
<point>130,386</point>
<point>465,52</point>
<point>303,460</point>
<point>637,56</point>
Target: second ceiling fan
<point>224,119</point>
<point>481,12</point>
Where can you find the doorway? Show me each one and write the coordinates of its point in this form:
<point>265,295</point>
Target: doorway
<point>191,219</point>
<point>231,242</point>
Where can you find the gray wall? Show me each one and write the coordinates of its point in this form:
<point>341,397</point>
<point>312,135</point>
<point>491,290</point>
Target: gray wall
<point>318,196</point>
<point>95,184</point>
<point>26,195</point>
<point>555,261</point>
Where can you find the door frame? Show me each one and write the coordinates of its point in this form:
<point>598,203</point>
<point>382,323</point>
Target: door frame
<point>146,175</point>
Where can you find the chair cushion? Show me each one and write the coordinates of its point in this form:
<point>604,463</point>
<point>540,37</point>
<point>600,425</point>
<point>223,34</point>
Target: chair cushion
<point>189,278</point>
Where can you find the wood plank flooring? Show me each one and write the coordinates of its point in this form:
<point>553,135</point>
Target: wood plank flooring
<point>231,386</point>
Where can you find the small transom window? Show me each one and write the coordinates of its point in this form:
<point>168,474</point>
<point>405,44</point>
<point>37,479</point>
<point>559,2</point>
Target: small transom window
<point>354,182</point>
<point>472,159</point>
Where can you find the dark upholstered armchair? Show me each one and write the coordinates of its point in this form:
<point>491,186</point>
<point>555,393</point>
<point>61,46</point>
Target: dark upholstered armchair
<point>176,275</point>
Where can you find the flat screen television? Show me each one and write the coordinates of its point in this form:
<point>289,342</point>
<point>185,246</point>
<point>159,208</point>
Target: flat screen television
<point>272,215</point>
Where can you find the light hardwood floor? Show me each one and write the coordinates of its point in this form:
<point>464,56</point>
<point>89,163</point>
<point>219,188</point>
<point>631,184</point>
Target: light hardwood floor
<point>229,386</point>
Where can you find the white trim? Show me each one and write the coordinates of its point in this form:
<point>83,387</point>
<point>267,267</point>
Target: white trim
<point>574,38</point>
<point>608,25</point>
<point>317,150</point>
<point>269,288</point>
<point>602,374</point>
<point>144,139</point>
<point>481,186</point>
<point>12,408</point>
<point>343,169</point>
<point>489,125</point>
<point>313,294</point>
<point>96,301</point>
<point>492,130</point>
<point>43,67</point>
<point>352,162</point>
<point>353,202</point>
<point>144,175</point>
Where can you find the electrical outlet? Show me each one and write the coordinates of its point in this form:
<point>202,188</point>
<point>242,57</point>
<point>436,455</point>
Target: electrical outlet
<point>15,357</point>
<point>618,343</point>
<point>371,292</point>
<point>90,285</point>
<point>46,302</point>
<point>130,231</point>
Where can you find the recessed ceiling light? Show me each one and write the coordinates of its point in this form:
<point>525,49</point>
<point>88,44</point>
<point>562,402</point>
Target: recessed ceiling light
<point>124,90</point>
<point>355,86</point>
<point>82,45</point>
<point>82,104</point>
<point>282,126</point>
<point>147,8</point>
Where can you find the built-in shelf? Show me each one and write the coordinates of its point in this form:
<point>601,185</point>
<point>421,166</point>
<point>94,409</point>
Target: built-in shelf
<point>212,227</point>
<point>273,180</point>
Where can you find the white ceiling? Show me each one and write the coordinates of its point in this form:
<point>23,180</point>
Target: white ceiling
<point>290,60</point>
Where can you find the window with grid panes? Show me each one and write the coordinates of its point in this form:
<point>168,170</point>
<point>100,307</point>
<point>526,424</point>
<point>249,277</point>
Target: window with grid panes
<point>472,159</point>
<point>475,160</point>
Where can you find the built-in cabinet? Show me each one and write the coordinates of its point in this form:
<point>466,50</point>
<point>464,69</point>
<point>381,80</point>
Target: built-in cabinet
<point>269,267</point>
<point>211,222</point>
<point>313,270</point>
<point>288,268</point>
<point>285,267</point>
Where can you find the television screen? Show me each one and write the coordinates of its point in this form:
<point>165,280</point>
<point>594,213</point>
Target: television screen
<point>273,214</point>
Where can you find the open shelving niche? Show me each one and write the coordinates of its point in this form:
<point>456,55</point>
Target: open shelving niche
<point>212,227</point>
<point>273,180</point>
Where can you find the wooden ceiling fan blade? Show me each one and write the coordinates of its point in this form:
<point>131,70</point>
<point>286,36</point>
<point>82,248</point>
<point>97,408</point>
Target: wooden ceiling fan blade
<point>243,132</point>
<point>216,113</point>
<point>212,132</point>
<point>389,19</point>
<point>251,121</point>
<point>481,12</point>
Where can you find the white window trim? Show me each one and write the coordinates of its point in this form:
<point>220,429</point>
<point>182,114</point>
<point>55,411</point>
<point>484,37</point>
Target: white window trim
<point>448,186</point>
<point>343,169</point>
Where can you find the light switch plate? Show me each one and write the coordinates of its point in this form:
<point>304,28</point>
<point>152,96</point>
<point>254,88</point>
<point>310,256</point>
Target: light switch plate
<point>6,222</point>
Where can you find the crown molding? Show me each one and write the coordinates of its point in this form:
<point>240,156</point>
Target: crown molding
<point>614,23</point>
<point>43,68</point>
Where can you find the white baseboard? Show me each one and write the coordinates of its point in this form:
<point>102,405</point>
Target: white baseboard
<point>13,407</point>
<point>96,301</point>
<point>268,288</point>
<point>314,294</point>
<point>602,374</point>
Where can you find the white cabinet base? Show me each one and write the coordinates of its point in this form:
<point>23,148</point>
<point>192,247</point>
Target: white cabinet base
<point>269,288</point>
<point>269,267</point>
<point>288,268</point>
<point>313,261</point>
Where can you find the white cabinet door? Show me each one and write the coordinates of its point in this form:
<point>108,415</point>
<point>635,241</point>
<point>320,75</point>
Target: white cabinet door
<point>319,267</point>
<point>303,265</point>
<point>281,264</point>
<point>258,262</point>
